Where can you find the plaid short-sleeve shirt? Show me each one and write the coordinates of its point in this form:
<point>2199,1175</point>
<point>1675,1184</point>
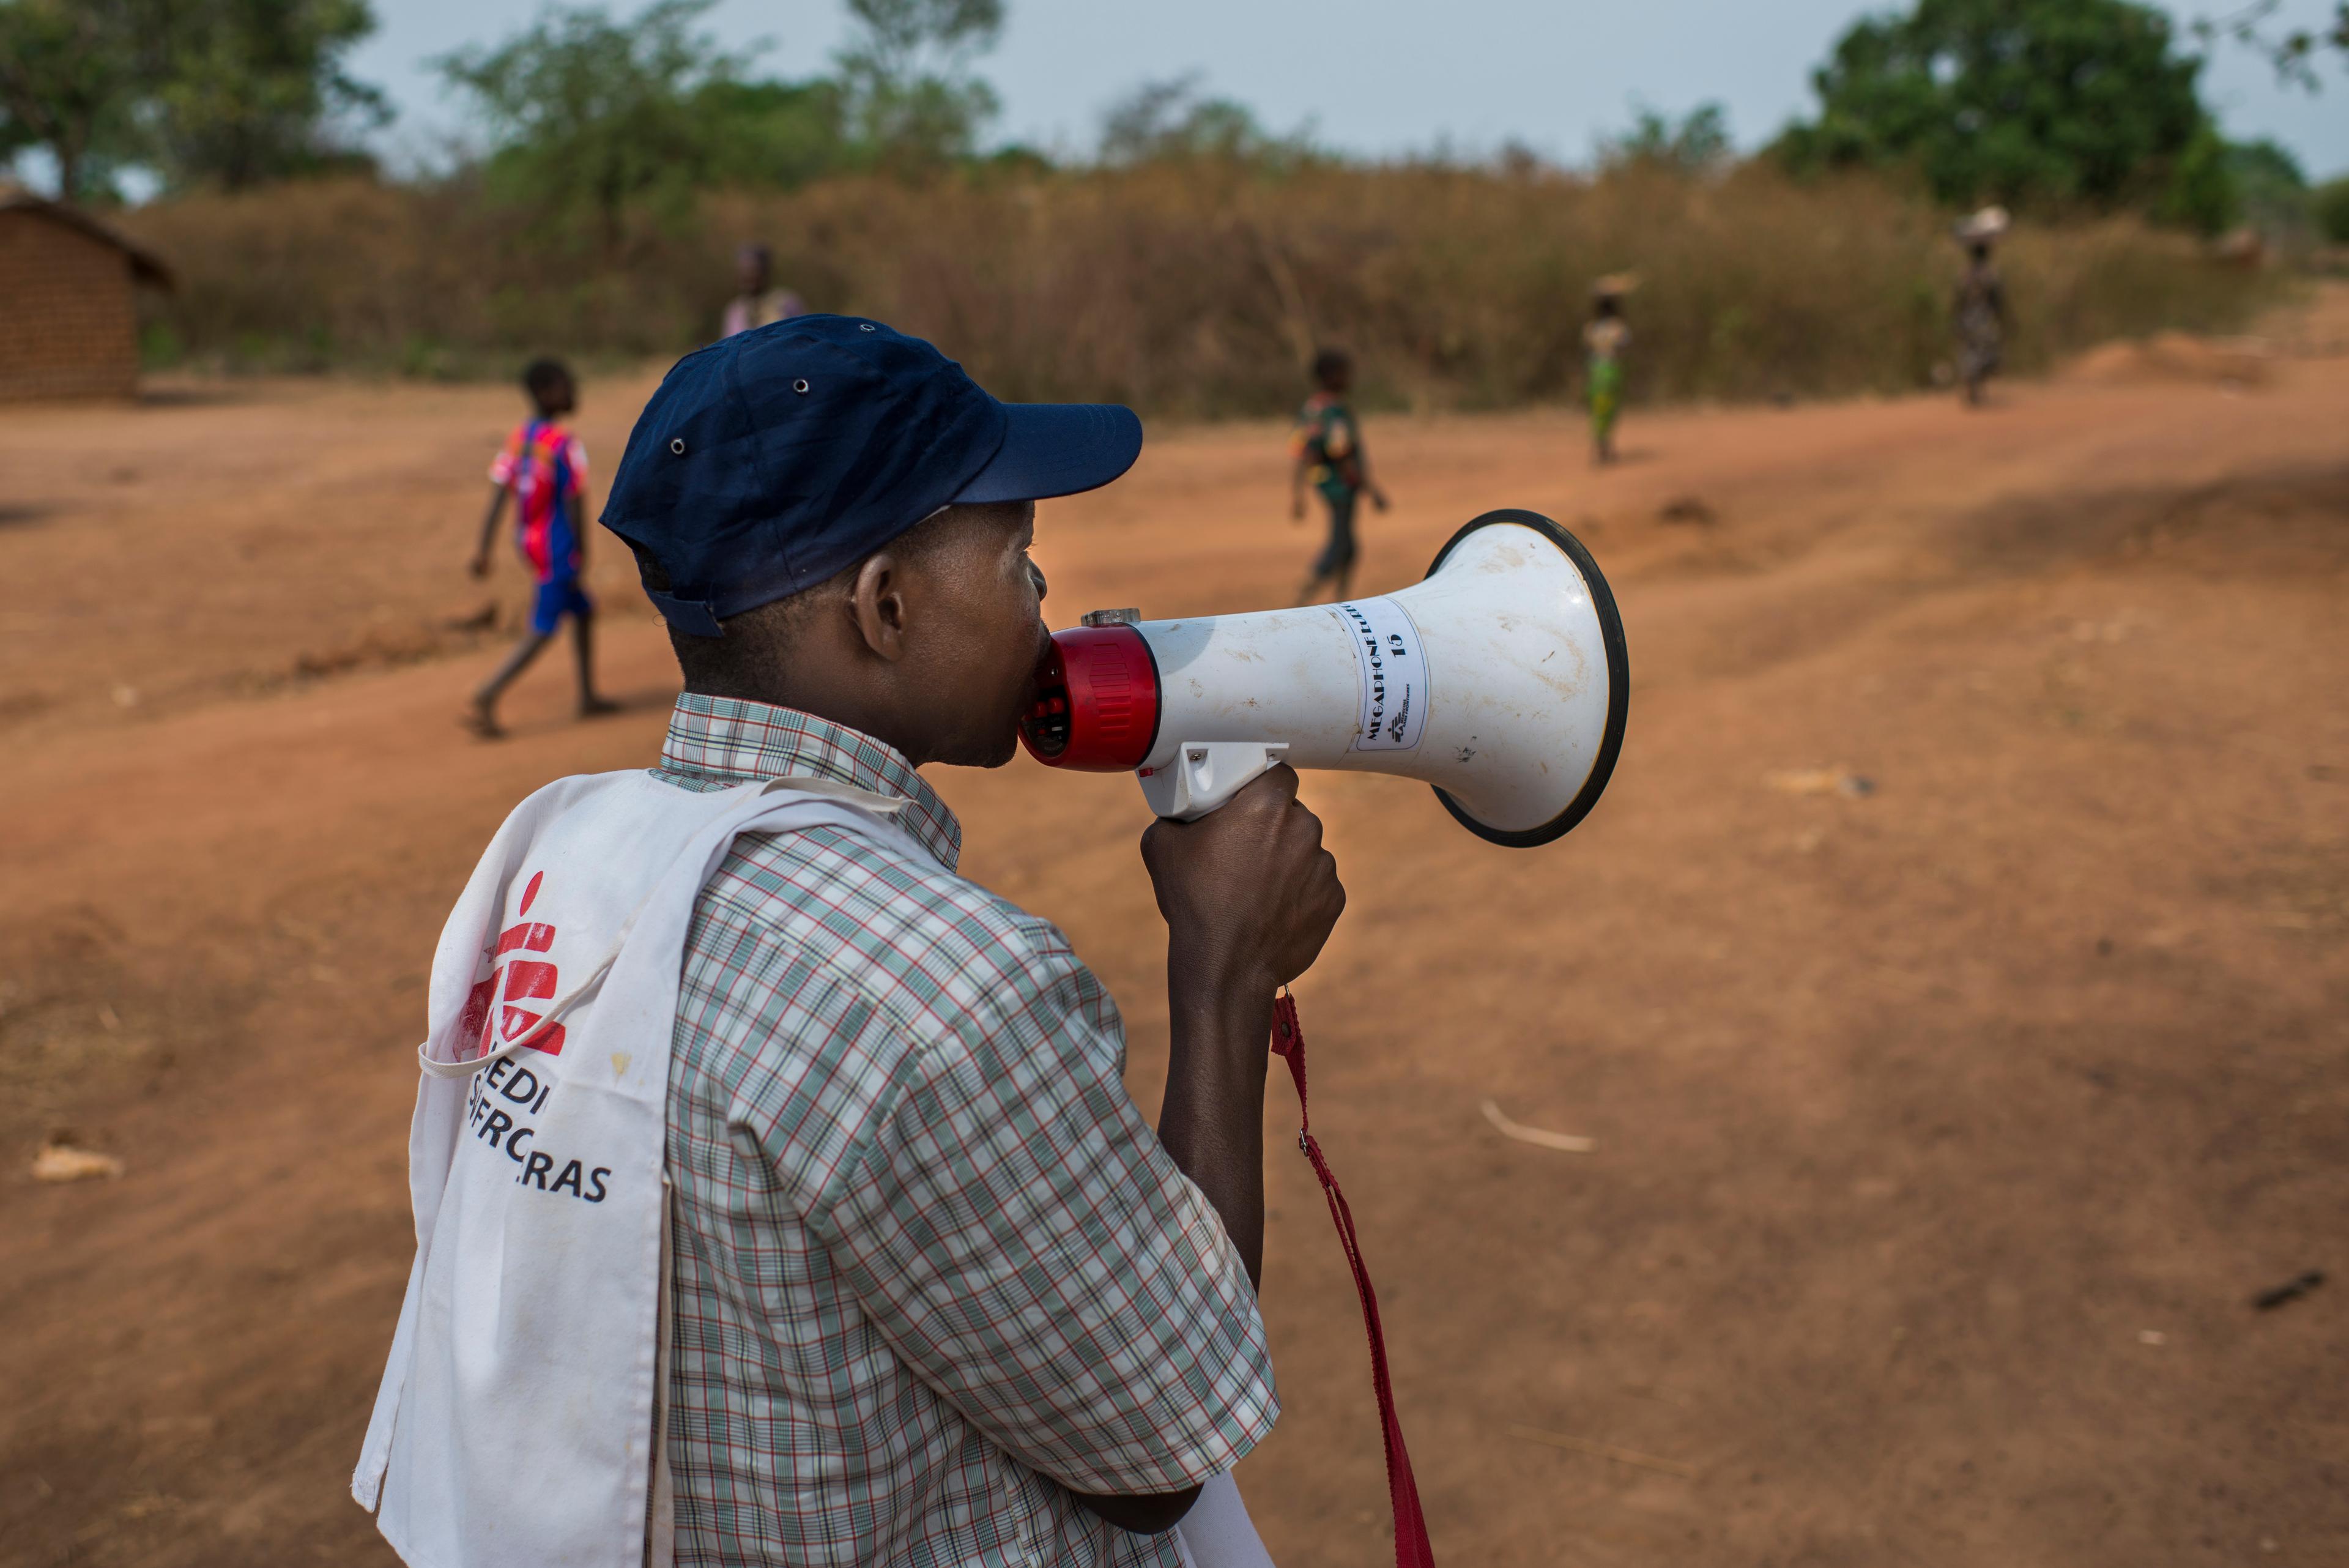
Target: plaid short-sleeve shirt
<point>931,1265</point>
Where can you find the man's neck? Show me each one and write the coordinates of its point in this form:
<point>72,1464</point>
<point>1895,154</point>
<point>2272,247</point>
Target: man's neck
<point>833,706</point>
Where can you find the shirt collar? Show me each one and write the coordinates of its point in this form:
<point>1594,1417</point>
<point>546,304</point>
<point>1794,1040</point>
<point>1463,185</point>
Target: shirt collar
<point>732,741</point>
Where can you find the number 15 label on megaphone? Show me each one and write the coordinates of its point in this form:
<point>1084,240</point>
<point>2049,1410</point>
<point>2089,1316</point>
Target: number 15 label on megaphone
<point>1501,680</point>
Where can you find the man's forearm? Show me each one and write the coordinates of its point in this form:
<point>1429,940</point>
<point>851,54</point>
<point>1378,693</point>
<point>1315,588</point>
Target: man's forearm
<point>1212,1122</point>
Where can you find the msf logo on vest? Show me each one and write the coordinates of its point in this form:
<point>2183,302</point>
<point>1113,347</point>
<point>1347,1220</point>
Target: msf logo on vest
<point>510,1004</point>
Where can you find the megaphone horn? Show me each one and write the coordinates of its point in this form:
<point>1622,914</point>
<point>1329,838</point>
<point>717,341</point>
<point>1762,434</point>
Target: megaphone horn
<point>1501,678</point>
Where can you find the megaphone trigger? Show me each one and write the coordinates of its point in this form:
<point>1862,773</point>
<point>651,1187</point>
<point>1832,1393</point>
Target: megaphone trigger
<point>1203,777</point>
<point>1501,678</point>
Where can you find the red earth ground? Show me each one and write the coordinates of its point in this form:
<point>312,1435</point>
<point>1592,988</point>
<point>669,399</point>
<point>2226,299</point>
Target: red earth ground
<point>1944,1132</point>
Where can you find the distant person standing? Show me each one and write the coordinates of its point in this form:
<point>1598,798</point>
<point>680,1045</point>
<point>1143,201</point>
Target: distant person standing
<point>543,468</point>
<point>1327,445</point>
<point>757,301</point>
<point>1979,309</point>
<point>1604,338</point>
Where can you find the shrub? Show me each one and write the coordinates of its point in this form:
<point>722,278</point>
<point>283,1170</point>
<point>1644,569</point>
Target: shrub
<point>2330,203</point>
<point>1193,286</point>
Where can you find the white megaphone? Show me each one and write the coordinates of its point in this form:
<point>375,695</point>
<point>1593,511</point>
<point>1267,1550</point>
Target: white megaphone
<point>1501,680</point>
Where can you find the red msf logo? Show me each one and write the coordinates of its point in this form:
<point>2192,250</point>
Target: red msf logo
<point>523,979</point>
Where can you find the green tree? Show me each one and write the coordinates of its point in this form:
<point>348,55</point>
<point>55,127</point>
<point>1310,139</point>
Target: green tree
<point>910,95</point>
<point>1171,119</point>
<point>2045,102</point>
<point>597,116</point>
<point>246,91</point>
<point>2200,193</point>
<point>70,82</point>
<point>1699,143</point>
<point>771,132</point>
<point>592,116</point>
<point>2267,186</point>
<point>2329,205</point>
<point>222,92</point>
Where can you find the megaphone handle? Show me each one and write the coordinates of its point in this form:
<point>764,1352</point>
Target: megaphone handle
<point>1412,1550</point>
<point>1204,774</point>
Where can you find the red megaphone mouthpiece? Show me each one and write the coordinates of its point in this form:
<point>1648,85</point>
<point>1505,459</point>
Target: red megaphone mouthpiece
<point>1096,708</point>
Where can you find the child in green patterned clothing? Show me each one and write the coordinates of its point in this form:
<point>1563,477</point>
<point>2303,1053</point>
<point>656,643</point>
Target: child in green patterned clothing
<point>1606,338</point>
<point>1328,447</point>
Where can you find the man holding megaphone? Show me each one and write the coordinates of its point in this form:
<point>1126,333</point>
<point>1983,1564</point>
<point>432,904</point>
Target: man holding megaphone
<point>778,1195</point>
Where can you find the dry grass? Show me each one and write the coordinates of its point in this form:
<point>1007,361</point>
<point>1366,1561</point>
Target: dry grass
<point>1185,288</point>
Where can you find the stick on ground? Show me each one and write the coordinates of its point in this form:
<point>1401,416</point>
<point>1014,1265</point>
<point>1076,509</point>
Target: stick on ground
<point>1567,1143</point>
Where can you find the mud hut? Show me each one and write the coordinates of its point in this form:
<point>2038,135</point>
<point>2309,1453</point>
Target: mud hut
<point>69,320</point>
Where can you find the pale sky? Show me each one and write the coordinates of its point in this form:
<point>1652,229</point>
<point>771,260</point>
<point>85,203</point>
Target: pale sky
<point>1372,76</point>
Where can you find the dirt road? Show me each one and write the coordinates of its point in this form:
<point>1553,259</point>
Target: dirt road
<point>1944,1131</point>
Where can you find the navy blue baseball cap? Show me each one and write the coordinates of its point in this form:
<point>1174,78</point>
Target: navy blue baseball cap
<point>782,456</point>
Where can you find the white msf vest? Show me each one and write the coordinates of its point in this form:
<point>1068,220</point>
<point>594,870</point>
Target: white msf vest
<point>517,1425</point>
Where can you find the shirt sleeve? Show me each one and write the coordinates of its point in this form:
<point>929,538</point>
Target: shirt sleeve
<point>503,466</point>
<point>576,455</point>
<point>1019,1234</point>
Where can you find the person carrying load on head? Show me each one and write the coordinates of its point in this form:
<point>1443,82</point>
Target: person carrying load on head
<point>1979,309</point>
<point>1326,451</point>
<point>779,1199</point>
<point>1604,338</point>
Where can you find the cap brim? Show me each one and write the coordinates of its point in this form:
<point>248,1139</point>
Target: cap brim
<point>1056,449</point>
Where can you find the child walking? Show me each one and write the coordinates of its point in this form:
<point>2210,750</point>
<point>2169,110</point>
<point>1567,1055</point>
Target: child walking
<point>1604,338</point>
<point>544,468</point>
<point>1328,447</point>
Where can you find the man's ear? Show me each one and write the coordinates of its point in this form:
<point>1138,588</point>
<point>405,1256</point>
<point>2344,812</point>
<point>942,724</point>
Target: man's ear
<point>876,604</point>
